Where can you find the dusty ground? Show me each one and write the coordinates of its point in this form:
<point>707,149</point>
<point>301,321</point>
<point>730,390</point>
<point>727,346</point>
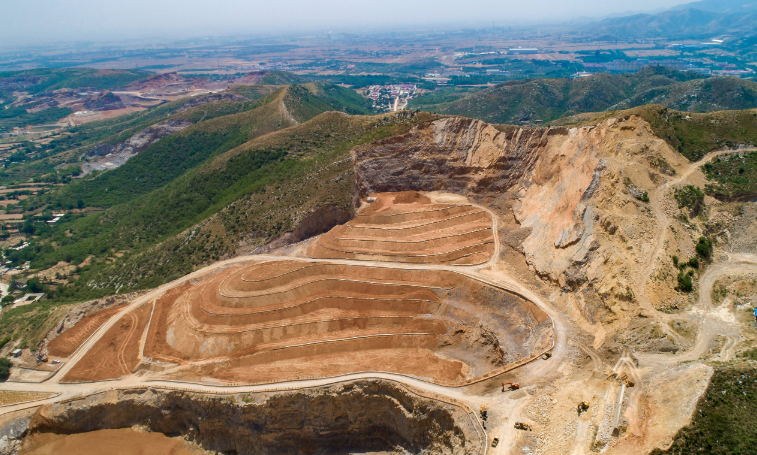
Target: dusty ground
<point>106,442</point>
<point>7,397</point>
<point>408,227</point>
<point>117,353</point>
<point>65,344</point>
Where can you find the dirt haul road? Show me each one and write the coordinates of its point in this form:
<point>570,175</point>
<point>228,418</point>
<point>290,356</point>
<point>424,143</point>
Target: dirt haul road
<point>506,407</point>
<point>453,394</point>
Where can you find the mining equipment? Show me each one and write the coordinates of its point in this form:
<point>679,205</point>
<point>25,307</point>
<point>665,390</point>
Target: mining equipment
<point>582,407</point>
<point>42,353</point>
<point>484,414</point>
<point>522,426</point>
<point>511,386</point>
<point>495,441</point>
<point>546,355</point>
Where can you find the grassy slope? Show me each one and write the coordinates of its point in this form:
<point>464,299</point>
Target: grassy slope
<point>724,421</point>
<point>732,177</point>
<point>69,147</point>
<point>48,80</point>
<point>250,194</point>
<point>54,79</point>
<point>549,99</point>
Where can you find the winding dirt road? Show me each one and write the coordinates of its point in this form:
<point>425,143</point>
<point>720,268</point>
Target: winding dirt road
<point>456,395</point>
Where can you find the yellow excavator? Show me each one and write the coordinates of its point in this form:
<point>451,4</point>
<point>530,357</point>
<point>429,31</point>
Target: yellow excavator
<point>511,386</point>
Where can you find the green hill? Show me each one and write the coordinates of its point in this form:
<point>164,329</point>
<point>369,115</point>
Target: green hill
<point>550,99</point>
<point>172,156</point>
<point>47,79</point>
<point>248,195</point>
<point>684,23</point>
<point>180,181</point>
<point>282,78</point>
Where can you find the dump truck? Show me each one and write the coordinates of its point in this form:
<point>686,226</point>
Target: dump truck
<point>522,426</point>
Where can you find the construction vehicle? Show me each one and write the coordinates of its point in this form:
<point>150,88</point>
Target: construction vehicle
<point>512,386</point>
<point>583,407</point>
<point>484,414</point>
<point>42,353</point>
<point>546,355</point>
<point>522,426</point>
<point>495,441</point>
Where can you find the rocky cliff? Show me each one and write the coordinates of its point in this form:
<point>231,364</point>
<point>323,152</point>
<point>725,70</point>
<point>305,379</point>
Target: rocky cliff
<point>364,416</point>
<point>565,195</point>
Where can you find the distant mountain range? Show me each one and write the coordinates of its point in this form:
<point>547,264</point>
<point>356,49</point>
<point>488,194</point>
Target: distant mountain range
<point>698,20</point>
<point>720,6</point>
<point>550,99</point>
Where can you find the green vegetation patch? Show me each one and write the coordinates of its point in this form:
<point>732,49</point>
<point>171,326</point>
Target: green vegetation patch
<point>49,79</point>
<point>5,368</point>
<point>282,78</point>
<point>690,197</point>
<point>551,99</point>
<point>439,98</point>
<point>732,177</point>
<point>725,419</point>
<point>695,135</point>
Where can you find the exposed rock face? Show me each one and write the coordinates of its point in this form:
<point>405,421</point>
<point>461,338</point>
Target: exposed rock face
<point>319,221</point>
<point>365,416</point>
<point>104,101</point>
<point>109,156</point>
<point>456,155</point>
<point>316,222</point>
<point>569,189</point>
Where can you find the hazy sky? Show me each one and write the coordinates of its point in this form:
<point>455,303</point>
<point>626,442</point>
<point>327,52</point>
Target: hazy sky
<point>28,21</point>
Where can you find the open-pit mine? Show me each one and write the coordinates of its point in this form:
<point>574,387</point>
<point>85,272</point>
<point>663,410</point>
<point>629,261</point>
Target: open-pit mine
<point>478,302</point>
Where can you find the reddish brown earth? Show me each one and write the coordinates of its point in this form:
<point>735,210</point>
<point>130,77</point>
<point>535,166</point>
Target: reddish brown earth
<point>408,227</point>
<point>116,353</point>
<point>69,341</point>
<point>284,319</point>
<point>350,358</point>
<point>123,441</point>
<point>156,346</point>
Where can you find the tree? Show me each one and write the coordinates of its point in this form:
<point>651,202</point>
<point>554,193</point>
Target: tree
<point>704,247</point>
<point>684,282</point>
<point>34,285</point>
<point>5,368</point>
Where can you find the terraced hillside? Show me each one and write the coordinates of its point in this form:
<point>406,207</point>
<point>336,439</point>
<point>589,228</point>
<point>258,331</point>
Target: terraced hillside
<point>277,319</point>
<point>410,228</point>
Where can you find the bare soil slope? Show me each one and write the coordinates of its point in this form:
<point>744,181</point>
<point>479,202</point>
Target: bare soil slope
<point>408,227</point>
